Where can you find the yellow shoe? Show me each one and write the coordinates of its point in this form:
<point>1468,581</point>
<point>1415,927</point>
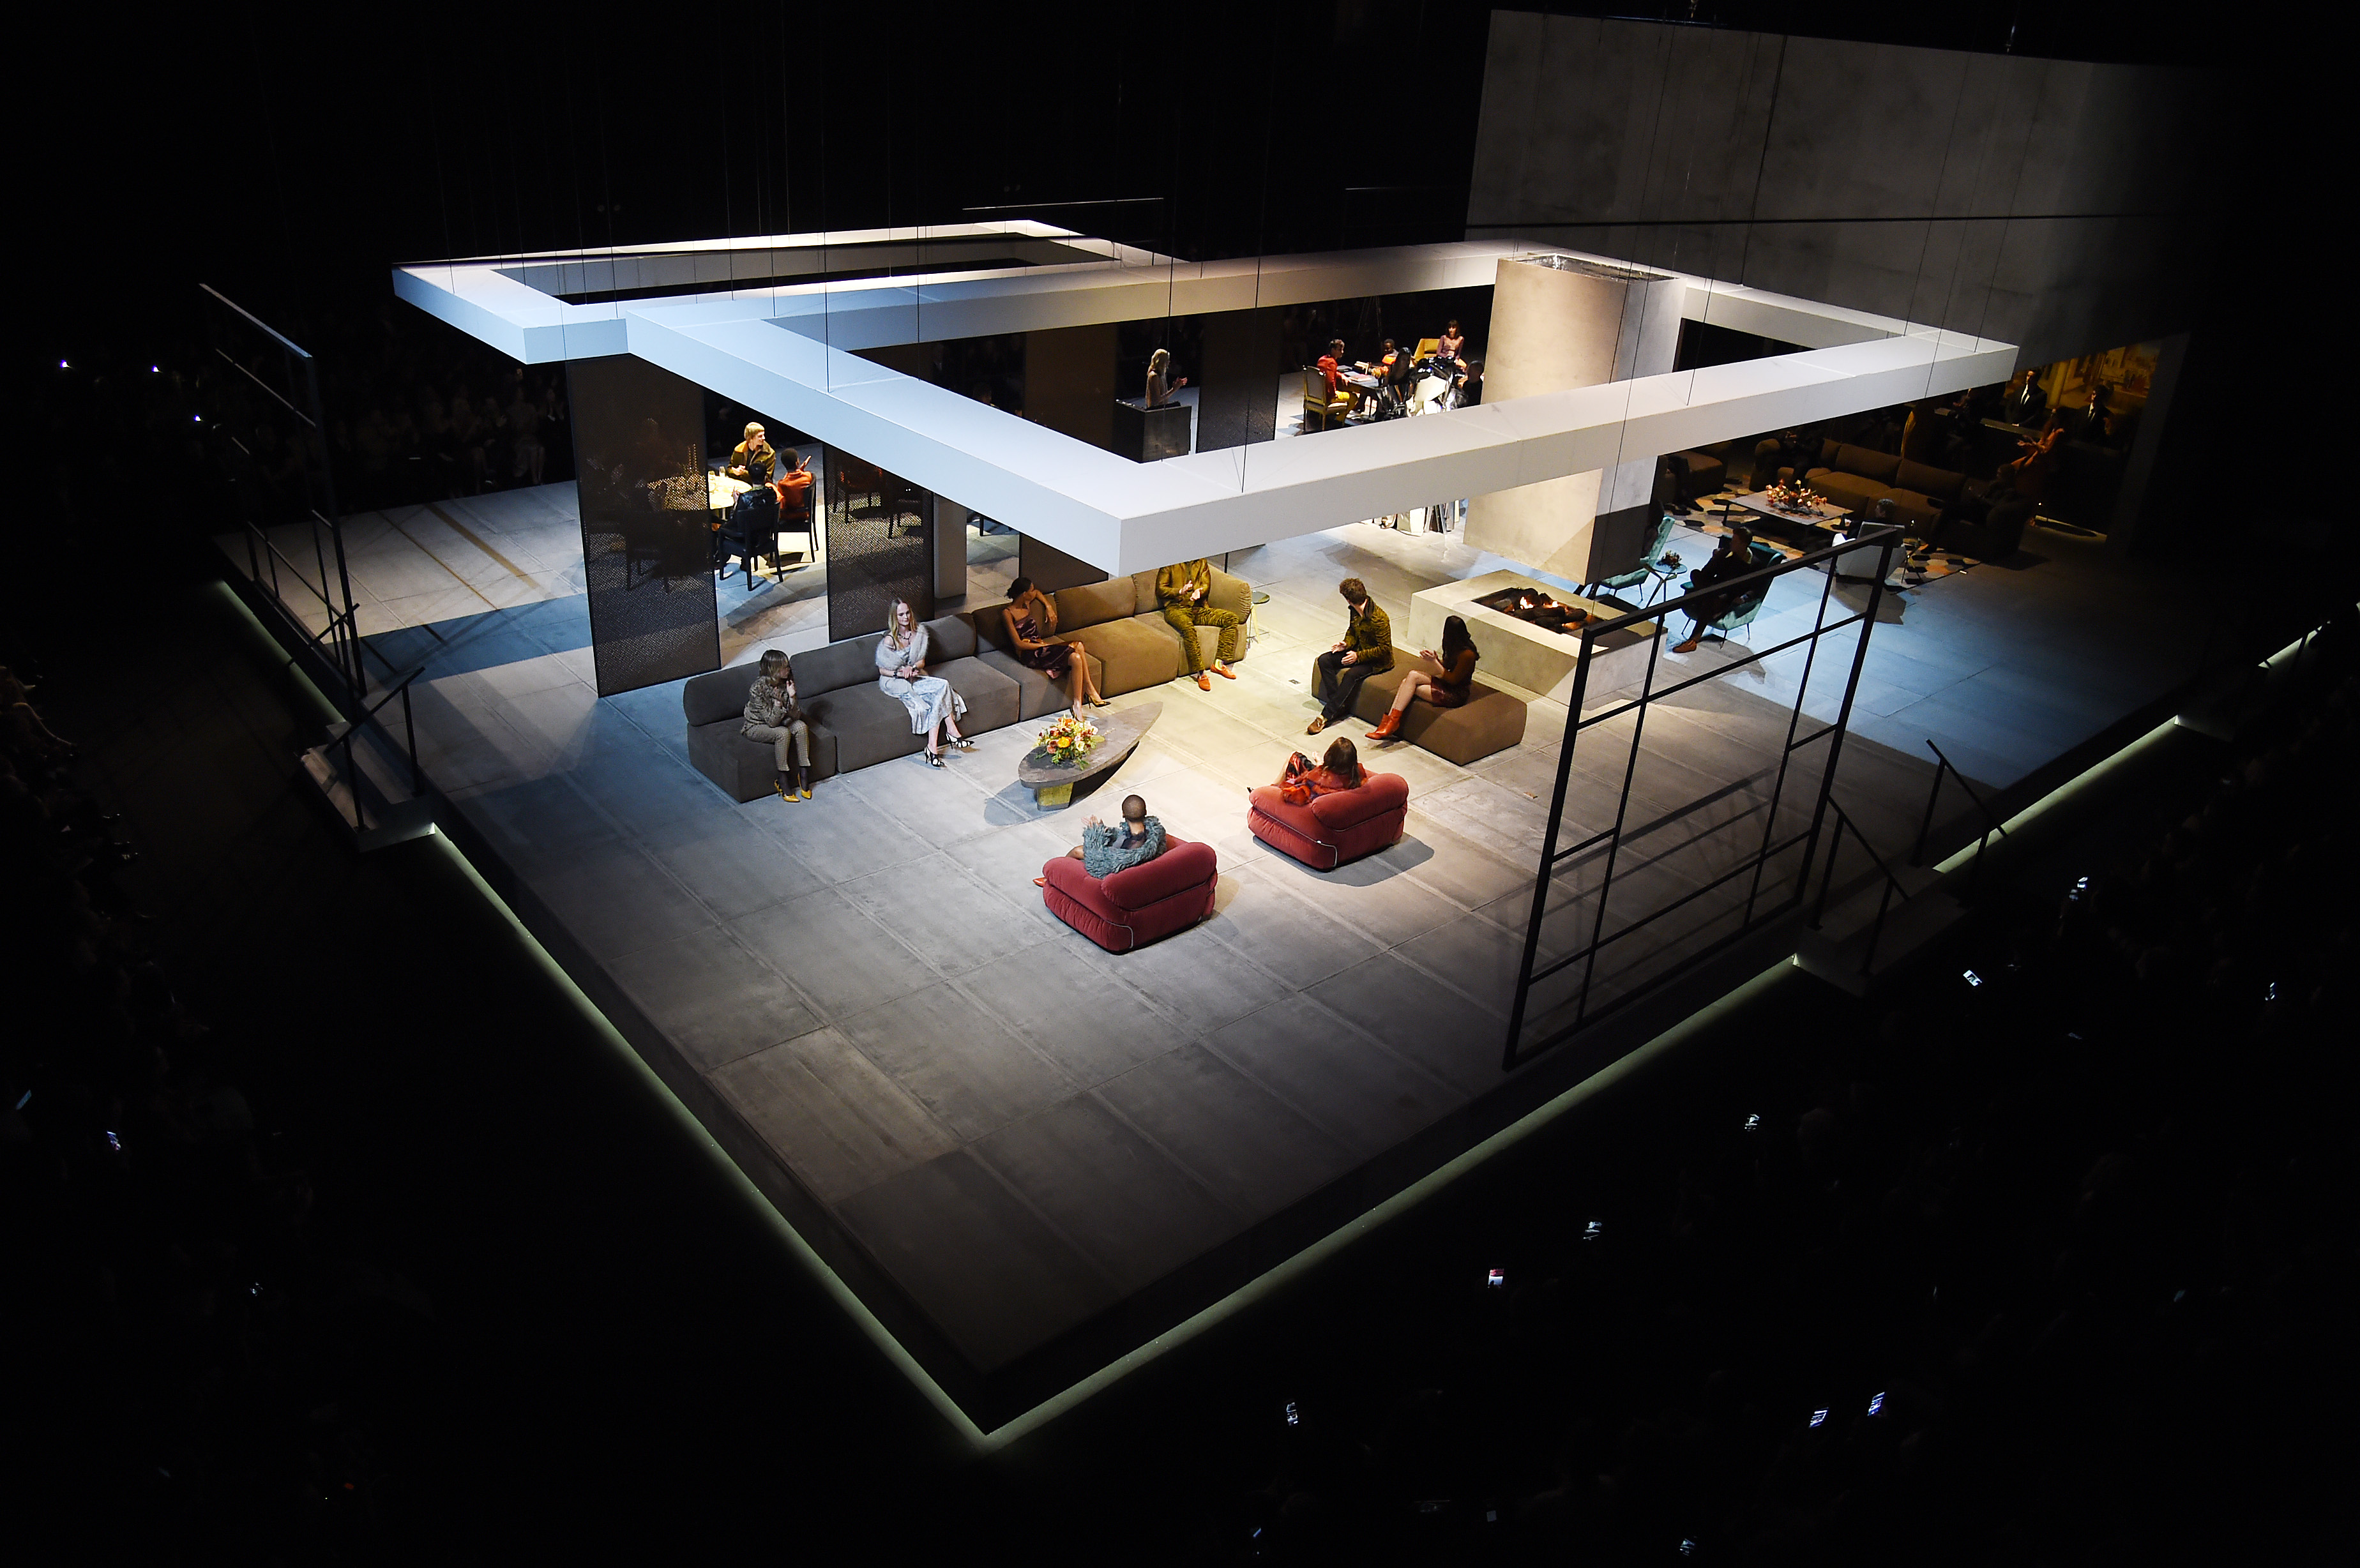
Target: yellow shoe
<point>806,792</point>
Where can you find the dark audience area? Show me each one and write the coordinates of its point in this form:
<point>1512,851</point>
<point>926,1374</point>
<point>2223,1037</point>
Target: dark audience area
<point>2042,1257</point>
<point>187,1330</point>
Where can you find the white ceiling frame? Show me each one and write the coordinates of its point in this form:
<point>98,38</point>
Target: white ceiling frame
<point>785,349</point>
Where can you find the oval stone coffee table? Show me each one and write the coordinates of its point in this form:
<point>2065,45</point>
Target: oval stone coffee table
<point>1052,783</point>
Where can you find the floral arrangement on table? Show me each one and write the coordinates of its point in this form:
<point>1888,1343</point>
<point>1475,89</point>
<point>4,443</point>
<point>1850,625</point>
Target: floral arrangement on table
<point>1787,497</point>
<point>1069,739</point>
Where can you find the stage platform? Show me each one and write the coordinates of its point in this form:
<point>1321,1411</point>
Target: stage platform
<point>1029,1157</point>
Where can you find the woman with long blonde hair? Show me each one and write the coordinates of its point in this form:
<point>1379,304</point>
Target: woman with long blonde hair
<point>1160,385</point>
<point>901,675</point>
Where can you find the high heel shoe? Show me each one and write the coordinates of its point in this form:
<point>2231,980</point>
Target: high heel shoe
<point>1389,727</point>
<point>934,760</point>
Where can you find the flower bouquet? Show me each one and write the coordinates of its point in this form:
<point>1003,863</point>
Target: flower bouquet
<point>1069,739</point>
<point>1793,497</point>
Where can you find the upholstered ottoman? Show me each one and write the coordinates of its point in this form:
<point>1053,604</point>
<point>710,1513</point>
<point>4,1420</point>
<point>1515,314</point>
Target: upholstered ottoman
<point>1333,829</point>
<point>1490,720</point>
<point>1137,905</point>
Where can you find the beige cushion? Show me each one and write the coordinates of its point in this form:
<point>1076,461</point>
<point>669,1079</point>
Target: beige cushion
<point>1134,652</point>
<point>1940,483</point>
<point>1490,720</point>
<point>1879,466</point>
<point>1091,603</point>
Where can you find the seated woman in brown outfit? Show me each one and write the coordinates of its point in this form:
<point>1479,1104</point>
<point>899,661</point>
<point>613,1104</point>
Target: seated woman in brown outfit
<point>1031,621</point>
<point>1448,690</point>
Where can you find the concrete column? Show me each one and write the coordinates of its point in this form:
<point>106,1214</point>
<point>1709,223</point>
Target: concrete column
<point>947,540</point>
<point>1050,568</point>
<point>1559,323</point>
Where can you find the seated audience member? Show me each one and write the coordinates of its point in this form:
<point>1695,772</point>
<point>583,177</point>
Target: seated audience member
<point>1448,690</point>
<point>901,675</point>
<point>1733,559</point>
<point>1031,621</point>
<point>1183,589</point>
<point>1452,345</point>
<point>1470,385</point>
<point>1301,781</point>
<point>1367,648</point>
<point>26,727</point>
<point>1105,849</point>
<point>773,717</point>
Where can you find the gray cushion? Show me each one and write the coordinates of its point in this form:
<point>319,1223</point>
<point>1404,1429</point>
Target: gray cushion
<point>948,638</point>
<point>718,695</point>
<point>989,626</point>
<point>993,698</point>
<point>1035,693</point>
<point>743,768</point>
<point>847,663</point>
<point>870,727</point>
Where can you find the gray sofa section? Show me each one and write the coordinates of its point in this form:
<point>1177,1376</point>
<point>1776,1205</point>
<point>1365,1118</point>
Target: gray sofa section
<point>853,724</point>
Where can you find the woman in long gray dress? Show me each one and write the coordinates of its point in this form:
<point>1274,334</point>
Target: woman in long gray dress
<point>901,675</point>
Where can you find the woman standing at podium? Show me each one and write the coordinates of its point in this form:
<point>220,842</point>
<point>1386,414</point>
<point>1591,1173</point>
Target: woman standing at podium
<point>1160,388</point>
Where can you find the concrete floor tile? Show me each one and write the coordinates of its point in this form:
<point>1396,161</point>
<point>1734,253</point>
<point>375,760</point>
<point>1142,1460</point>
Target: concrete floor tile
<point>1197,980</point>
<point>1092,1024</point>
<point>987,1270</point>
<point>1478,956</point>
<point>840,1122</point>
<point>1247,1147</point>
<point>839,835</point>
<point>615,901</point>
<point>972,1074</point>
<point>1359,1093</point>
<point>841,960</point>
<point>1125,1203</point>
<point>933,904</point>
<point>1299,941</point>
<point>940,805</point>
<point>711,998</point>
<point>1372,896</point>
<point>733,867</point>
<point>1462,872</point>
<point>1419,1019</point>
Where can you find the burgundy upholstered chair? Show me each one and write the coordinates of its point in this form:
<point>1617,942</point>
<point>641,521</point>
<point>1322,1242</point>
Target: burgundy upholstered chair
<point>1333,829</point>
<point>1142,904</point>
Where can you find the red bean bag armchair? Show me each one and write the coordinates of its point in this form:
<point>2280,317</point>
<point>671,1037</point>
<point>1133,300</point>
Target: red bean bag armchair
<point>1141,904</point>
<point>1333,829</point>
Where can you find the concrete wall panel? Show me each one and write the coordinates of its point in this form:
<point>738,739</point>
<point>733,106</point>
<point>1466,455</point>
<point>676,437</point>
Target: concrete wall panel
<point>1812,166</point>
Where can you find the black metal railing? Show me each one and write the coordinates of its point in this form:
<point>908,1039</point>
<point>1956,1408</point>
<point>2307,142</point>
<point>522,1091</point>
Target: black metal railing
<point>1828,875</point>
<point>1756,911</point>
<point>1991,824</point>
<point>262,385</point>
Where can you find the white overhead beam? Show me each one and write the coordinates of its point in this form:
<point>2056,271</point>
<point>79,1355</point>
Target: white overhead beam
<point>786,350</point>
